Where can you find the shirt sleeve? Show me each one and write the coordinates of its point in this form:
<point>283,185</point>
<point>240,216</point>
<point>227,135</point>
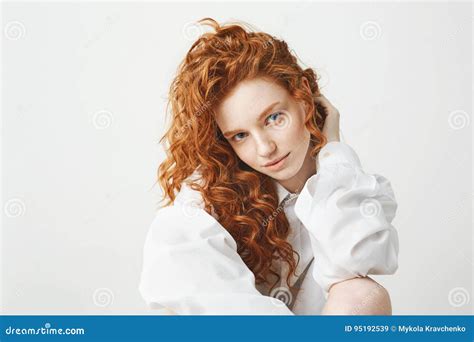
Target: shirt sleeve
<point>349,214</point>
<point>191,267</point>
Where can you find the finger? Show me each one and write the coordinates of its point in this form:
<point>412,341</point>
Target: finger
<point>326,103</point>
<point>323,99</point>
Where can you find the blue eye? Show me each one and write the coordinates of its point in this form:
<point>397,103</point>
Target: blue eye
<point>233,138</point>
<point>274,115</point>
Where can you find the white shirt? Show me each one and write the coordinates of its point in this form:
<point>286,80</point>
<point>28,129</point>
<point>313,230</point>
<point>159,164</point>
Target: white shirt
<point>341,218</point>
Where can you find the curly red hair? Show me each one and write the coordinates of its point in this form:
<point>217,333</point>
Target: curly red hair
<point>244,201</point>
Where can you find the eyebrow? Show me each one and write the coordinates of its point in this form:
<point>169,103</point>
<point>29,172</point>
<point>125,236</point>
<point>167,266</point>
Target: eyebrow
<point>265,112</point>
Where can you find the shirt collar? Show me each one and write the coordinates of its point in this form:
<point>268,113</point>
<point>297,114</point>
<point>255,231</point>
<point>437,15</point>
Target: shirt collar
<point>283,194</point>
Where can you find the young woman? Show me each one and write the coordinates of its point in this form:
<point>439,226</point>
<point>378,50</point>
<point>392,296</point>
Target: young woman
<point>267,212</point>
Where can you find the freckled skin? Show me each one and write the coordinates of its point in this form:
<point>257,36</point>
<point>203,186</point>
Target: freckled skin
<point>279,132</point>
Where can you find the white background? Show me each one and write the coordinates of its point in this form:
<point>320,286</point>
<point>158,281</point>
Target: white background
<point>84,89</point>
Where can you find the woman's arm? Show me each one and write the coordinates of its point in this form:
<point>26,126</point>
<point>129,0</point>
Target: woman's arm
<point>191,267</point>
<point>349,213</point>
<point>358,296</point>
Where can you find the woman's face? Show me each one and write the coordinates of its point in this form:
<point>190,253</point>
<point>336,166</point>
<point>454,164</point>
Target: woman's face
<point>263,123</point>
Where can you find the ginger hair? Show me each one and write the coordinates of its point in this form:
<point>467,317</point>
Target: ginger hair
<point>243,200</point>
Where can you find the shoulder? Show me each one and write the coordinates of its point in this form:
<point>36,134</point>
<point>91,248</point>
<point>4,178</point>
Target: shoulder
<point>185,220</point>
<point>187,196</point>
<point>190,199</point>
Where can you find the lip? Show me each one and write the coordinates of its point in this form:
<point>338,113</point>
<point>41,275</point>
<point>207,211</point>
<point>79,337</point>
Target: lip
<point>277,162</point>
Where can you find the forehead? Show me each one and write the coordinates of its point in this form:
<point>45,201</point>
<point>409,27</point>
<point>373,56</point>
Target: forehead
<point>248,99</point>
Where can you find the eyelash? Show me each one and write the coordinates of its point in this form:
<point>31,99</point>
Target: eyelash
<point>233,138</point>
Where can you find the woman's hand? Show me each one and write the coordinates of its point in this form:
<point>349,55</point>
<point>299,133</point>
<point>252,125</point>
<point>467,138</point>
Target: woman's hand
<point>331,125</point>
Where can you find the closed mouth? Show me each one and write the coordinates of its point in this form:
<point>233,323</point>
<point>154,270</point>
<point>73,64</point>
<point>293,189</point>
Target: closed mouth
<point>277,161</point>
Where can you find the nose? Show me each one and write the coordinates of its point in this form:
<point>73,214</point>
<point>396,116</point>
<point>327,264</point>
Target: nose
<point>265,147</point>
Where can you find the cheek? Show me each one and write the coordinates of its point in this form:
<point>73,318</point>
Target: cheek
<point>297,132</point>
<point>245,154</point>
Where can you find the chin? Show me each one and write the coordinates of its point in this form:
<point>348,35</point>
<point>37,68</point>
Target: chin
<point>284,174</point>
